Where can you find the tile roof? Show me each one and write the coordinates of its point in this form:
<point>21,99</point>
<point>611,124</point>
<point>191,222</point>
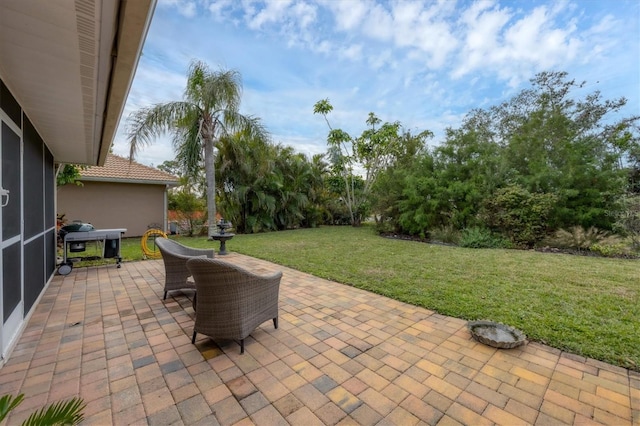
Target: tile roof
<point>120,169</point>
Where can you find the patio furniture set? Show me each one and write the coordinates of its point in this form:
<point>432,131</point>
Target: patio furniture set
<point>230,301</point>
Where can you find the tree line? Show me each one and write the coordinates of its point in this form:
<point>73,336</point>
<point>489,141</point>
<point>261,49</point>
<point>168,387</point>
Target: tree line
<point>510,175</point>
<point>539,162</point>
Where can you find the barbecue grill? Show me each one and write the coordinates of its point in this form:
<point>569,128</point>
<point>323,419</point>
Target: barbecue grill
<point>77,246</point>
<point>75,237</point>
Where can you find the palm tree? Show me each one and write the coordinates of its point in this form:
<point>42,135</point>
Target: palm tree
<point>208,112</point>
<point>249,178</point>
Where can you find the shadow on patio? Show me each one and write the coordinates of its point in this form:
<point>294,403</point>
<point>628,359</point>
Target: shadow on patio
<point>340,356</point>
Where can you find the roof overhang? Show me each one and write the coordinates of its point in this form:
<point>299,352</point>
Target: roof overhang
<point>170,183</point>
<point>70,65</point>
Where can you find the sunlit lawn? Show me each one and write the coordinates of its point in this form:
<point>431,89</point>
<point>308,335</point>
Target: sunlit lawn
<point>585,305</point>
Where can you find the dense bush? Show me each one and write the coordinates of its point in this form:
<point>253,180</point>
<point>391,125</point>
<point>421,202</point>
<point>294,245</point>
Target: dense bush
<point>544,160</point>
<point>519,214</point>
<point>477,237</point>
<point>579,238</point>
<point>628,219</point>
<point>611,250</point>
<point>189,209</point>
<point>445,234</point>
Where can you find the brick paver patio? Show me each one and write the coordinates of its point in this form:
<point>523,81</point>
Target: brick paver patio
<point>340,356</point>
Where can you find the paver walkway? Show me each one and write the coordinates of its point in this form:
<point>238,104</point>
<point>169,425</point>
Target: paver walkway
<point>340,356</point>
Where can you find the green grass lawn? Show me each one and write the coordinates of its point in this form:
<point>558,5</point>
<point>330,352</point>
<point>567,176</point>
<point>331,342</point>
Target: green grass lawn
<point>585,305</point>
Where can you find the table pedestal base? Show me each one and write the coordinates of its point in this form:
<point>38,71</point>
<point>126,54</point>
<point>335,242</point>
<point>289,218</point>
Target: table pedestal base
<point>223,241</point>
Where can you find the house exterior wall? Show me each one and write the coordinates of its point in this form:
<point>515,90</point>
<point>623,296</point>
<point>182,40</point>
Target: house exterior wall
<point>109,205</point>
<point>28,233</point>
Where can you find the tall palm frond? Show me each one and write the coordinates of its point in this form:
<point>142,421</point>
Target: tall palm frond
<point>147,124</point>
<point>222,91</point>
<point>66,412</point>
<point>8,403</point>
<point>188,147</point>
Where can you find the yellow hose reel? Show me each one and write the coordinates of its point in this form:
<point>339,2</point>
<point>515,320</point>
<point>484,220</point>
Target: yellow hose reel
<point>148,243</point>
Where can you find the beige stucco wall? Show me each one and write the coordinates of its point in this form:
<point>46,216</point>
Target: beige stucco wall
<point>114,205</point>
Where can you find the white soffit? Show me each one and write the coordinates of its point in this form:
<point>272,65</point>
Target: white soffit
<point>70,64</point>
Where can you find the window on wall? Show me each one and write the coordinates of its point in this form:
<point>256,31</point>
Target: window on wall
<point>11,182</point>
<point>9,104</point>
<point>49,190</point>
<point>33,181</point>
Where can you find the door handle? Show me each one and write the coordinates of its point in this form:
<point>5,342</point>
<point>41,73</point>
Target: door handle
<point>3,193</point>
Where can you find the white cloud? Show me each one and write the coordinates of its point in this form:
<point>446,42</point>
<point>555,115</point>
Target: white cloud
<point>524,36</point>
<point>515,45</point>
<point>218,8</point>
<point>482,28</point>
<point>423,63</point>
<point>425,29</point>
<point>406,13</point>
<point>305,14</point>
<point>186,8</point>
<point>378,23</point>
<point>324,47</point>
<point>381,59</point>
<point>606,25</point>
<point>348,15</point>
<point>533,44</point>
<point>352,52</point>
<point>274,11</point>
<point>601,40</point>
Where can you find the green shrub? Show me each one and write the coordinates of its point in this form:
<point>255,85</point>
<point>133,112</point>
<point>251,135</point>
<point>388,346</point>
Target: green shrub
<point>384,227</point>
<point>482,238</point>
<point>519,214</point>
<point>445,234</point>
<point>608,249</point>
<point>578,238</point>
<point>628,219</point>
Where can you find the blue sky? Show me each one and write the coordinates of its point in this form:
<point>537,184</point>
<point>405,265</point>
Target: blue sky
<point>423,63</point>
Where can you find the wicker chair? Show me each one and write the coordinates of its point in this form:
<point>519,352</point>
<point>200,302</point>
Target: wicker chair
<point>175,257</point>
<point>232,301</point>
